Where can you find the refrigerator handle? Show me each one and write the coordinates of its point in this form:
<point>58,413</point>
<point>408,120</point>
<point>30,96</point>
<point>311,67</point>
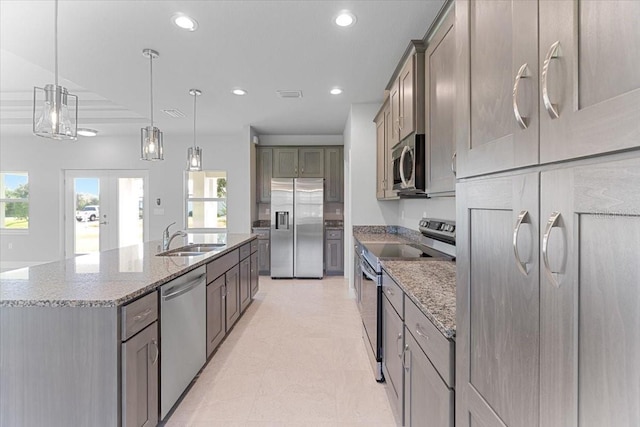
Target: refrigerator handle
<point>282,220</point>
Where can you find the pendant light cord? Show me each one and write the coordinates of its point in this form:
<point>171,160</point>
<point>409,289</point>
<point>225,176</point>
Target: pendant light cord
<point>195,95</point>
<point>55,42</point>
<point>151,86</point>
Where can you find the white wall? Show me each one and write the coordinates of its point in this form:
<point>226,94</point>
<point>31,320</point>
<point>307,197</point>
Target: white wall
<point>410,211</point>
<point>45,160</point>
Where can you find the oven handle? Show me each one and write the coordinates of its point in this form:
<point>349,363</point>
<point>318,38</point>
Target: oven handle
<point>368,271</point>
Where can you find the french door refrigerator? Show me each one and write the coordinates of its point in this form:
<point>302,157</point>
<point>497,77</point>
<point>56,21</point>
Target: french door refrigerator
<point>297,224</point>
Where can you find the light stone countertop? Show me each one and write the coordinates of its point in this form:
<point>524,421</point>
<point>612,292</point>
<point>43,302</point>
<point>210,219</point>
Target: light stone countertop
<point>106,279</point>
<point>431,285</point>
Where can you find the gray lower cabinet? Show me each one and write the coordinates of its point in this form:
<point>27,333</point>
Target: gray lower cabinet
<point>245,283</point>
<point>334,252</point>
<point>440,109</point>
<point>498,308</point>
<point>393,344</point>
<point>232,301</point>
<point>264,174</point>
<point>254,274</point>
<point>140,355</point>
<point>264,257</point>
<point>216,313</point>
<point>427,399</point>
<point>333,171</point>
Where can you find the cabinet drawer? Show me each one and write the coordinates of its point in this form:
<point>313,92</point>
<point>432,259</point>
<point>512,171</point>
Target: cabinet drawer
<point>393,293</point>
<point>263,233</point>
<point>439,349</point>
<point>254,245</point>
<point>334,234</point>
<point>139,314</point>
<point>218,267</point>
<point>245,250</point>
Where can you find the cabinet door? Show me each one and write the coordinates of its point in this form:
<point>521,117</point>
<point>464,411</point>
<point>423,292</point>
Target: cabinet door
<point>590,298</point>
<point>264,175</point>
<point>245,283</point>
<point>497,337</point>
<point>264,257</point>
<point>427,399</point>
<point>285,163</point>
<point>440,101</point>
<point>592,79</point>
<point>381,156</point>
<point>333,182</point>
<point>232,300</point>
<point>254,274</point>
<point>392,345</point>
<point>389,193</point>
<point>407,94</point>
<point>394,101</point>
<point>140,378</point>
<point>216,329</point>
<point>311,162</point>
<point>334,256</point>
<point>496,40</point>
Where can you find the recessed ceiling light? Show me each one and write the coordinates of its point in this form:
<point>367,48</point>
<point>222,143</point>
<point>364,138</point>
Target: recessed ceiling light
<point>345,19</point>
<point>87,132</point>
<point>185,22</point>
<point>335,91</point>
<point>239,92</point>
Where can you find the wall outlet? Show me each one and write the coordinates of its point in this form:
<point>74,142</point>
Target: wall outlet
<point>338,211</point>
<point>10,246</point>
<point>402,214</point>
<point>268,211</point>
<point>424,214</point>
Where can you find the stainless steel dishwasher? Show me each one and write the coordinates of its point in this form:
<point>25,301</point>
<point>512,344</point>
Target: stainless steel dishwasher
<point>183,335</point>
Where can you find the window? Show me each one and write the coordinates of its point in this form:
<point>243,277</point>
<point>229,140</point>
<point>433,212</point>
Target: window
<point>14,200</point>
<point>206,201</point>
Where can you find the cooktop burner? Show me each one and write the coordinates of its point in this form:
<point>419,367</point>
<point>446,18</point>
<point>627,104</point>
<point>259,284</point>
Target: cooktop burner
<point>400,250</point>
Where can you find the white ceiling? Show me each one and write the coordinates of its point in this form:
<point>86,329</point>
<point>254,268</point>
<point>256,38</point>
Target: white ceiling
<point>261,46</point>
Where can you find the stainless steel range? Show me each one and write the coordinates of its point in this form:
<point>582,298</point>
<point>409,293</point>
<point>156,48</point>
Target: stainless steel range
<point>438,241</point>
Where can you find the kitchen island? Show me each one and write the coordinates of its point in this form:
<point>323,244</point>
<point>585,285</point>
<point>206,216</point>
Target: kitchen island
<point>62,329</point>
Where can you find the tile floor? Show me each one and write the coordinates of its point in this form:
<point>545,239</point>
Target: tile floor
<point>295,358</point>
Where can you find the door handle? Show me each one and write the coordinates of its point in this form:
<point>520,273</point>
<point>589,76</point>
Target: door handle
<point>400,353</point>
<point>523,73</point>
<point>522,218</point>
<point>551,108</point>
<point>551,222</point>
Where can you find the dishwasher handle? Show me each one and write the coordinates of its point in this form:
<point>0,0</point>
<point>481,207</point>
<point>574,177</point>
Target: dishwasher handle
<point>176,291</point>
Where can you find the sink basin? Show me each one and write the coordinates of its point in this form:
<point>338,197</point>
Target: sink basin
<point>193,250</point>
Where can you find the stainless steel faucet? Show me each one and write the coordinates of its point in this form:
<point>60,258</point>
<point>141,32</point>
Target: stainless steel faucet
<point>166,239</point>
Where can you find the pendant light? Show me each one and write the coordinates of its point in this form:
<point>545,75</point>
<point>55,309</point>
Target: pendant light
<point>151,144</point>
<point>53,118</point>
<point>194,154</point>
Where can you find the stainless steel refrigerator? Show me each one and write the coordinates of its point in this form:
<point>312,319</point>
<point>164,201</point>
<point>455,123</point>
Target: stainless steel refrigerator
<point>297,223</point>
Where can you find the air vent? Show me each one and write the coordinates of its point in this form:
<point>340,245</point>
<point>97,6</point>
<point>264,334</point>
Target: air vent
<point>289,93</point>
<point>174,113</point>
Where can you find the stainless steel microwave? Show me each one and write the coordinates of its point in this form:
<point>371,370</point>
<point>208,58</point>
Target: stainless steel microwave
<point>409,165</point>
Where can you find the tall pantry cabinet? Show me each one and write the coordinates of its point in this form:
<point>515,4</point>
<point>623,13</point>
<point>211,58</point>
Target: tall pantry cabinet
<point>548,213</point>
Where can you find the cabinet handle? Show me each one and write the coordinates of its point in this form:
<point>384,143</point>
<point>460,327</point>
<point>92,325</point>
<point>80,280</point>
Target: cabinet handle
<point>406,350</point>
<point>155,359</point>
<point>551,222</point>
<point>398,340</point>
<point>389,292</point>
<point>420,333</point>
<point>142,315</point>
<point>523,73</point>
<point>551,108</point>
<point>453,163</point>
<point>522,218</point>
<point>400,120</point>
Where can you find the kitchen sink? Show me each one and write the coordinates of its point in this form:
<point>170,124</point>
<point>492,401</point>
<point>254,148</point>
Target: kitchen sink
<point>193,250</point>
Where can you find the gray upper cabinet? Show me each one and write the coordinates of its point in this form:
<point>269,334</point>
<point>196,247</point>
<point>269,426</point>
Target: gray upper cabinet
<point>590,84</point>
<point>496,85</point>
<point>285,163</point>
<point>264,174</point>
<point>497,337</point>
<point>590,298</point>
<point>394,106</point>
<point>440,109</point>
<point>140,356</point>
<point>311,162</point>
<point>381,155</point>
<point>333,172</point>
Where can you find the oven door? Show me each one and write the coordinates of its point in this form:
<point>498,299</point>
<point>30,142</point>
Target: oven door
<point>370,300</point>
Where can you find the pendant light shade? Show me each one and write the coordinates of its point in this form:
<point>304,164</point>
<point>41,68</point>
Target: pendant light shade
<point>55,110</point>
<point>151,140</point>
<point>194,154</point>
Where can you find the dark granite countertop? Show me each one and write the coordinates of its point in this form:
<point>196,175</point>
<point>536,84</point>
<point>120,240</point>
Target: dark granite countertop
<point>431,285</point>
